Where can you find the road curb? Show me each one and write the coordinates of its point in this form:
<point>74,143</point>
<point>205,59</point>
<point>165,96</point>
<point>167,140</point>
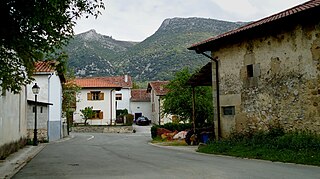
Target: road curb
<point>180,148</point>
<point>18,160</point>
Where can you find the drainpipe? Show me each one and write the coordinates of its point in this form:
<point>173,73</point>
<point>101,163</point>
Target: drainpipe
<point>48,124</point>
<point>111,106</point>
<point>194,110</point>
<point>159,112</point>
<point>218,90</point>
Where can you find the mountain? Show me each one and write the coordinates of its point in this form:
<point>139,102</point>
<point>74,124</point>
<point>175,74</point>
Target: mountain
<point>92,54</point>
<point>156,58</point>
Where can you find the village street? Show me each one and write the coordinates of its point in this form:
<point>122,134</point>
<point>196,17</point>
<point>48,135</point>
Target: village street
<point>130,156</point>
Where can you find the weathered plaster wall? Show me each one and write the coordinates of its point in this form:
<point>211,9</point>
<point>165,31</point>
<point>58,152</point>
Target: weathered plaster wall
<point>284,88</point>
<point>13,117</point>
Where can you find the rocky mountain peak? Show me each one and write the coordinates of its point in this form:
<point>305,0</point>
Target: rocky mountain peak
<point>90,35</point>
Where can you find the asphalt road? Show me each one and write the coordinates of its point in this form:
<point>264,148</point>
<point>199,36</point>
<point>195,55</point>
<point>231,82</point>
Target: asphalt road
<point>130,156</point>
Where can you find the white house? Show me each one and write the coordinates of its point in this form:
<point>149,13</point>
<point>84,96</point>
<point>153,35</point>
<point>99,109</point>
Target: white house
<point>140,103</point>
<point>157,90</point>
<point>50,101</point>
<point>13,121</point>
<point>105,95</point>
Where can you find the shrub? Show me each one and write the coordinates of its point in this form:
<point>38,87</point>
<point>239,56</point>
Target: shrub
<point>129,119</point>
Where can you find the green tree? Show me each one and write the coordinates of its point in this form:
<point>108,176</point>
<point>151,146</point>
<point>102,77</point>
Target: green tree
<point>33,28</point>
<point>69,92</point>
<point>179,99</point>
<point>87,113</point>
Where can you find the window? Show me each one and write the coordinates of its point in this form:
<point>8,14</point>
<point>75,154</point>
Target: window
<point>98,114</point>
<point>118,96</point>
<point>250,70</point>
<point>228,110</point>
<point>95,95</point>
<point>41,110</point>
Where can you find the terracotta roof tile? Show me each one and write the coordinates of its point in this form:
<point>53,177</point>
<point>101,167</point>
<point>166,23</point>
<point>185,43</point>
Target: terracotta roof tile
<point>158,87</point>
<point>294,10</point>
<point>140,95</point>
<point>105,82</point>
<point>45,66</point>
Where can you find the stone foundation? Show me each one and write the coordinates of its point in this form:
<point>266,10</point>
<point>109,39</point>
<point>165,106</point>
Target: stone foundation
<point>103,129</point>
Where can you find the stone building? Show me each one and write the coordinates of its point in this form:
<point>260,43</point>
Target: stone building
<point>268,72</point>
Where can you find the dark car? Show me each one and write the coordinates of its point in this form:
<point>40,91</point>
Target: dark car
<point>143,121</point>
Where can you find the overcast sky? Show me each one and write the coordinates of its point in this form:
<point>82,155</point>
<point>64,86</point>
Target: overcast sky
<point>135,20</point>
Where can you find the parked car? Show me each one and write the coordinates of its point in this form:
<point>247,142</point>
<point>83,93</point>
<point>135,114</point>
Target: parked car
<point>143,121</point>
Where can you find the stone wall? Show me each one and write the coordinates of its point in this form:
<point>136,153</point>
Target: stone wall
<point>272,79</point>
<point>42,135</point>
<point>103,129</point>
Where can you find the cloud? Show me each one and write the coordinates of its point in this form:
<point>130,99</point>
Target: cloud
<point>138,19</point>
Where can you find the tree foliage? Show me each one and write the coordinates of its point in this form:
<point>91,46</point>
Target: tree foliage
<point>31,28</point>
<point>87,113</point>
<point>179,99</point>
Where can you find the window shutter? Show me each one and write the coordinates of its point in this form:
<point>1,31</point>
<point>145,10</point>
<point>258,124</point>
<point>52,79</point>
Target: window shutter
<point>89,96</point>
<point>100,115</point>
<point>101,96</point>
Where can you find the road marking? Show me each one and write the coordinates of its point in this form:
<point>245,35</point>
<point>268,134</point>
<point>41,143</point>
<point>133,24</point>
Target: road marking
<point>90,137</point>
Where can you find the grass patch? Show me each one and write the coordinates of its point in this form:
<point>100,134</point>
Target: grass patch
<point>275,145</point>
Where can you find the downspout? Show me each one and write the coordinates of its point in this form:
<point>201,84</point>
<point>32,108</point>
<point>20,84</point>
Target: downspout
<point>194,110</point>
<point>218,90</point>
<point>159,112</point>
<point>111,107</point>
<point>48,124</point>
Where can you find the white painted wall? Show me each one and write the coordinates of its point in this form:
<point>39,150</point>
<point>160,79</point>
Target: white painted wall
<point>164,118</point>
<point>50,92</point>
<point>141,107</point>
<point>106,106</point>
<point>125,102</point>
<point>13,117</point>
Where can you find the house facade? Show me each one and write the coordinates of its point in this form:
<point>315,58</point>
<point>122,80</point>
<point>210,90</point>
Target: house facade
<point>49,108</point>
<point>157,91</point>
<point>267,72</point>
<point>13,121</point>
<point>105,95</point>
<point>140,103</point>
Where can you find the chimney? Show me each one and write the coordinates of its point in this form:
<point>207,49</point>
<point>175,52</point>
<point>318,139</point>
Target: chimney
<point>126,78</point>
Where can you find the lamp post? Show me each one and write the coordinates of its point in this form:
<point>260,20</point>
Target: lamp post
<point>35,90</point>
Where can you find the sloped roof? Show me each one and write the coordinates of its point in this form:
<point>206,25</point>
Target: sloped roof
<point>140,95</point>
<point>158,87</point>
<point>105,82</point>
<point>203,77</point>
<point>313,5</point>
<point>45,66</point>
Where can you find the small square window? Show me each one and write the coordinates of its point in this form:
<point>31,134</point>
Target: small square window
<point>228,110</point>
<point>118,96</point>
<point>250,70</point>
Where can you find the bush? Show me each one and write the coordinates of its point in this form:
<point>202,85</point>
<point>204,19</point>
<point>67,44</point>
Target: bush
<point>129,119</point>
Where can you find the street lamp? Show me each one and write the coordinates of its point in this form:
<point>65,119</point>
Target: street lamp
<point>35,90</point>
